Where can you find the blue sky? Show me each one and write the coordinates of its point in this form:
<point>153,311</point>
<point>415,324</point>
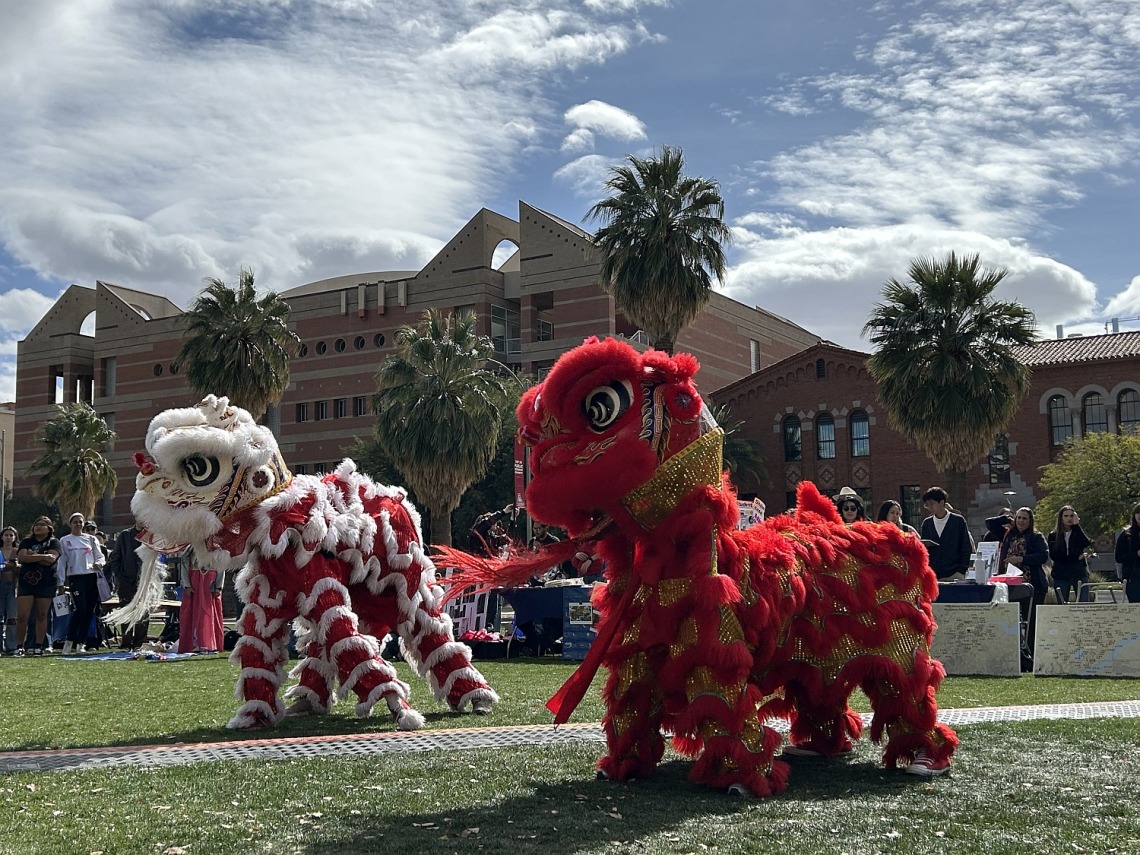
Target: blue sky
<point>153,145</point>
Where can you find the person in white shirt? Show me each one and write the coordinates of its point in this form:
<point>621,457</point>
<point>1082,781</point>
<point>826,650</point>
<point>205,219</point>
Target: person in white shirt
<point>81,561</point>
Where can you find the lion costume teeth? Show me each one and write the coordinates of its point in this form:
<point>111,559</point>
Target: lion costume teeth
<point>340,558</point>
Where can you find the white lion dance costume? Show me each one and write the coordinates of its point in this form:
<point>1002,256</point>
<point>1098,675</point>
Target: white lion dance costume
<point>336,555</point>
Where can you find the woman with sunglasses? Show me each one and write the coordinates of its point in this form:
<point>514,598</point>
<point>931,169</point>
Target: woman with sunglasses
<point>9,546</point>
<point>850,508</point>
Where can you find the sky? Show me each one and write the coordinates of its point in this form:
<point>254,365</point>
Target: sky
<point>153,145</point>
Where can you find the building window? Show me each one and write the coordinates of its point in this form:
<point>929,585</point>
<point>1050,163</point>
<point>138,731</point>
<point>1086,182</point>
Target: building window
<point>300,469</point>
<point>545,330</point>
<point>322,348</point>
<point>1094,414</point>
<point>110,372</point>
<point>505,329</point>
<point>999,461</point>
<point>910,497</point>
<point>158,369</point>
<point>860,434</point>
<point>339,346</point>
<point>360,405</point>
<point>820,369</point>
<point>358,342</point>
<point>378,339</point>
<point>1128,410</point>
<point>302,412</point>
<point>340,408</point>
<point>1060,425</point>
<point>753,355</point>
<point>793,450</point>
<point>322,411</point>
<point>173,367</point>
<point>303,351</point>
<point>825,436</point>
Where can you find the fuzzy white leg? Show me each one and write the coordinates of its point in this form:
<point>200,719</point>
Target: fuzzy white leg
<point>253,714</point>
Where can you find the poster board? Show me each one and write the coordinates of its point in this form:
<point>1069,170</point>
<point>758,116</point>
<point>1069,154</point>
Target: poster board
<point>1088,640</point>
<point>978,638</point>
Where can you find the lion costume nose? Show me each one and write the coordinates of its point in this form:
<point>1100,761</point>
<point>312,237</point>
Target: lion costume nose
<point>144,463</point>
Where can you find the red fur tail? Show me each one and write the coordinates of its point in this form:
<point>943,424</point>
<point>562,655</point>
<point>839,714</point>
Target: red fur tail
<point>477,574</point>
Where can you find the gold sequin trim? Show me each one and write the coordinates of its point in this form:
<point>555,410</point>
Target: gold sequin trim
<point>698,464</point>
<point>686,637</point>
<point>730,630</point>
<point>672,591</point>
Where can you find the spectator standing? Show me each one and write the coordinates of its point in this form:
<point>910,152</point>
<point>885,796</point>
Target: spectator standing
<point>946,537</point>
<point>891,511</point>
<point>1128,556</point>
<point>850,508</point>
<point>1067,547</point>
<point>38,556</point>
<point>125,565</point>
<point>82,560</point>
<point>996,526</point>
<point>200,624</point>
<point>9,546</point>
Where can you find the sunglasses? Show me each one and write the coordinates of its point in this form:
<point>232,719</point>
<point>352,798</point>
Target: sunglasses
<point>849,508</point>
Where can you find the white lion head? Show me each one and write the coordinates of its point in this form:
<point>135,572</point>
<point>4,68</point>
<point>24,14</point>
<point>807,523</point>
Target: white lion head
<point>203,465</point>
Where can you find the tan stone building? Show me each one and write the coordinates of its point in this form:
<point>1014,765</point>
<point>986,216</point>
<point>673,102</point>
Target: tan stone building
<point>541,301</point>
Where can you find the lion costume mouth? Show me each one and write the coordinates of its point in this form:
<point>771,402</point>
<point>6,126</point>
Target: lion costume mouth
<point>158,544</point>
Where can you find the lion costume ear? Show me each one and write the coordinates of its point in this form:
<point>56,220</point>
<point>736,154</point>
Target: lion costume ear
<point>809,499</point>
<point>675,374</point>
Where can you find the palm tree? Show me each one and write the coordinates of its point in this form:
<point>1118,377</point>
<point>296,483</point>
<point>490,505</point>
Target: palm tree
<point>743,455</point>
<point>237,345</point>
<point>944,363</point>
<point>74,472</point>
<point>439,410</point>
<point>661,243</point>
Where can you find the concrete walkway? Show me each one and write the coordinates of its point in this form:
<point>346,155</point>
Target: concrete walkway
<point>396,742</point>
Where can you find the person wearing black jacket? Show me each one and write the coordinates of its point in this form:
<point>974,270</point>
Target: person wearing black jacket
<point>946,537</point>
<point>125,564</point>
<point>1128,557</point>
<point>1067,545</point>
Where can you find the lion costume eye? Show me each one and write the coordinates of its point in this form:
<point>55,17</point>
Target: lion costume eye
<point>605,405</point>
<point>200,470</point>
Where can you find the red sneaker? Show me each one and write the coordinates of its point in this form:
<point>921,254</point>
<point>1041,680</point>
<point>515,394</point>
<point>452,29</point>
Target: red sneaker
<point>815,748</point>
<point>927,768</point>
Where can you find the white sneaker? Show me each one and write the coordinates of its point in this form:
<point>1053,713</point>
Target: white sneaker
<point>67,646</point>
<point>81,648</point>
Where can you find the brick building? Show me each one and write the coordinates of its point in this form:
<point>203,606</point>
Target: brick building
<point>818,416</point>
<point>541,301</point>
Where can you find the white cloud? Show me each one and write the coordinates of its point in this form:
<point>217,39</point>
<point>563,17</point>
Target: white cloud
<point>1127,302</point>
<point>975,121</point>
<point>586,175</point>
<point>844,269</point>
<point>20,310</point>
<point>580,139</point>
<point>606,120</point>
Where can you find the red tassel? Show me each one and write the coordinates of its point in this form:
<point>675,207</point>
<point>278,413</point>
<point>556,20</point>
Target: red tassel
<point>478,575</point>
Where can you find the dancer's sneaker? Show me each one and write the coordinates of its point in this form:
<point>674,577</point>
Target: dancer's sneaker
<point>924,767</point>
<point>81,648</point>
<point>19,651</point>
<point>815,748</point>
<point>67,648</point>
<point>39,651</point>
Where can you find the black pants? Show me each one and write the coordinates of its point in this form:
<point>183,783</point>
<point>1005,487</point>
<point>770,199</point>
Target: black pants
<point>85,592</point>
<point>135,635</point>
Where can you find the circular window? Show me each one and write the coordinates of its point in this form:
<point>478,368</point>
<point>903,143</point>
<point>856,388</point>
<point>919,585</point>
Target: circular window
<point>339,345</point>
<point>358,342</point>
<point>173,367</point>
<point>303,351</point>
<point>378,339</point>
<point>158,370</point>
<point>322,348</point>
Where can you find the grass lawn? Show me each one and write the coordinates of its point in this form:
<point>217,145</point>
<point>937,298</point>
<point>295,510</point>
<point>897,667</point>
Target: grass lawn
<point>1043,786</point>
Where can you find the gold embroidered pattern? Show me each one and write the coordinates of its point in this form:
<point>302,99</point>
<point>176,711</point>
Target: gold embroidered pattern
<point>900,650</point>
<point>730,630</point>
<point>696,465</point>
<point>686,637</point>
<point>672,591</point>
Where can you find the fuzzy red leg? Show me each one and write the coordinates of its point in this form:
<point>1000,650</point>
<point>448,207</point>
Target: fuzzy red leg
<point>357,657</point>
<point>430,648</point>
<point>261,655</point>
<point>316,677</point>
<point>908,714</point>
<point>632,721</point>
<point>828,728</point>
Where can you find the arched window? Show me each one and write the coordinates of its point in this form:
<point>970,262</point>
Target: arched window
<point>860,434</point>
<point>1094,414</point>
<point>792,449</point>
<point>1060,425</point>
<point>825,436</point>
<point>1128,410</point>
<point>820,369</point>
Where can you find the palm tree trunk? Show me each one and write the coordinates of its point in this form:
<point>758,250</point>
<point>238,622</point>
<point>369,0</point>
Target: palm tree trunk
<point>440,524</point>
<point>666,343</point>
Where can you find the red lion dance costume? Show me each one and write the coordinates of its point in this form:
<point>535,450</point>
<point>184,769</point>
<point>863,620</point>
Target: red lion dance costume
<point>323,554</point>
<point>708,631</point>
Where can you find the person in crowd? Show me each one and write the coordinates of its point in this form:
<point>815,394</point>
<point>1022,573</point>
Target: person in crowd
<point>100,538</point>
<point>850,506</point>
<point>891,511</point>
<point>1128,556</point>
<point>9,546</point>
<point>82,560</point>
<point>201,629</point>
<point>1068,545</point>
<point>996,526</point>
<point>946,537</point>
<point>1024,547</point>
<point>125,565</point>
<point>542,537</point>
<point>36,582</point>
